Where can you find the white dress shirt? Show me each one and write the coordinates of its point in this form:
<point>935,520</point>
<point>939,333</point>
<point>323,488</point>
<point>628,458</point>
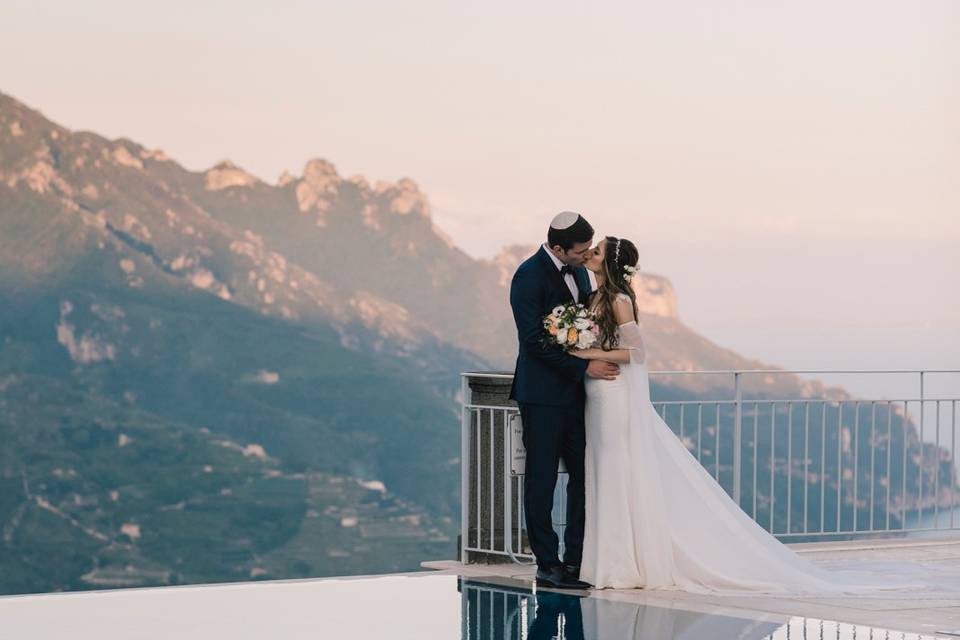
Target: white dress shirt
<point>568,278</point>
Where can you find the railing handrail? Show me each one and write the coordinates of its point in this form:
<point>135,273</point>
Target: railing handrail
<point>484,374</point>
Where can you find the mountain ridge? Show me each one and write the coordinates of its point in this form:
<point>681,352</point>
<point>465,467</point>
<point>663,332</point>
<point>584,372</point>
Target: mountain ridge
<point>318,324</point>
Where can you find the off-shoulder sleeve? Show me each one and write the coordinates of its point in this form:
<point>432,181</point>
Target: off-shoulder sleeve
<point>630,338</point>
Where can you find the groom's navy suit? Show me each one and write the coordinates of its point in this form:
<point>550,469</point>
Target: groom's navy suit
<point>548,387</point>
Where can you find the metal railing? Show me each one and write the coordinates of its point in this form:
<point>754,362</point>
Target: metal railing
<point>805,468</point>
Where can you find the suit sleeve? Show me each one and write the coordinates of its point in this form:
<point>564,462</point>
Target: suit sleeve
<point>526,301</point>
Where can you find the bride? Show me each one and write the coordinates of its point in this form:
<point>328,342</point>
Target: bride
<point>655,518</point>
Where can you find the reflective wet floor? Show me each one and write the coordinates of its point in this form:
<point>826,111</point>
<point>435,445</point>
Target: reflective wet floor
<point>418,606</point>
<point>495,612</point>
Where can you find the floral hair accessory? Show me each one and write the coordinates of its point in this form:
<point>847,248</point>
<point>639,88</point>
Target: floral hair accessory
<point>628,272</point>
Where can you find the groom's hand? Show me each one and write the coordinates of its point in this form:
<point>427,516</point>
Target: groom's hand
<point>603,370</point>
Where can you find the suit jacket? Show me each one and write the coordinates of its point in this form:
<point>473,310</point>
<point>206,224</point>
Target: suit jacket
<point>544,374</point>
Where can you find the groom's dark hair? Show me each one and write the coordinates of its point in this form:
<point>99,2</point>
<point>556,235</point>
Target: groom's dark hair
<point>579,231</point>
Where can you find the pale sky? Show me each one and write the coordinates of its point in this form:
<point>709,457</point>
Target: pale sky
<point>792,167</point>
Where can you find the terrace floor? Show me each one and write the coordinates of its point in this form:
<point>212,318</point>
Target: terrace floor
<point>933,616</point>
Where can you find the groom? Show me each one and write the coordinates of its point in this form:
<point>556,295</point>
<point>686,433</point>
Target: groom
<point>548,387</point>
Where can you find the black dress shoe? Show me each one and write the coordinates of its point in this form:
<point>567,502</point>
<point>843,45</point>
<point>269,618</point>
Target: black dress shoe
<point>556,578</point>
<point>571,570</point>
<point>572,573</point>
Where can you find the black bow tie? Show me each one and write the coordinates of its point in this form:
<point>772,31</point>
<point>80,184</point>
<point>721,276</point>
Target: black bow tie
<point>565,269</point>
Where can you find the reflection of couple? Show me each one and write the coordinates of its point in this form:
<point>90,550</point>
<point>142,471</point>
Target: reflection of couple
<point>562,616</point>
<point>641,510</point>
<point>566,617</point>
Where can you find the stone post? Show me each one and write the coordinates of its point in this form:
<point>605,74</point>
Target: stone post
<point>488,466</point>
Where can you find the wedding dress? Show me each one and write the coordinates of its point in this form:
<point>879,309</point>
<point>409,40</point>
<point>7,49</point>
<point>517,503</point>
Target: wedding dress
<point>656,519</point>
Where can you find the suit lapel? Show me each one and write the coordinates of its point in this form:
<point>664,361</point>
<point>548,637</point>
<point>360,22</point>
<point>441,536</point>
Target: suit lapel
<point>583,284</point>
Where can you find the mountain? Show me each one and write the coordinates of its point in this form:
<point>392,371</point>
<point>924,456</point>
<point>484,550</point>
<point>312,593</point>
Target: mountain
<point>206,377</point>
<point>97,493</point>
<point>121,293</point>
<point>381,239</point>
<point>378,239</point>
<point>375,245</point>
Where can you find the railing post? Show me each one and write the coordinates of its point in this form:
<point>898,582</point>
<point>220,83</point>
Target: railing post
<point>466,400</point>
<point>737,435</point>
<point>921,463</point>
<point>921,415</point>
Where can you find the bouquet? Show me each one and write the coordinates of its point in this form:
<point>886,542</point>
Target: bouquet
<point>571,327</point>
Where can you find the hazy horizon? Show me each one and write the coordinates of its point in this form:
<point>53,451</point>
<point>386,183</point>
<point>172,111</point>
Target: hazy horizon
<point>792,169</point>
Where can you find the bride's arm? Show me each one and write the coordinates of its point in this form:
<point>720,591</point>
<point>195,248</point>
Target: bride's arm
<point>630,338</point>
<point>620,356</point>
<point>631,342</point>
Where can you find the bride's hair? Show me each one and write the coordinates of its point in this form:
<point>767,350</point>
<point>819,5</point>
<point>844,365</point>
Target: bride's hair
<point>618,253</point>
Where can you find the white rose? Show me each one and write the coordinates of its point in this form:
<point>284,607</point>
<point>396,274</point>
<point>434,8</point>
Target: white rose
<point>562,337</point>
<point>586,340</point>
<point>581,324</point>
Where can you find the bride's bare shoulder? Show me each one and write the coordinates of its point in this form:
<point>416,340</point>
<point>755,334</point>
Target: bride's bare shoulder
<point>623,308</point>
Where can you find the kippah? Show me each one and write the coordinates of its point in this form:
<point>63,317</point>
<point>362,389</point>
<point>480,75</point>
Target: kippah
<point>564,220</point>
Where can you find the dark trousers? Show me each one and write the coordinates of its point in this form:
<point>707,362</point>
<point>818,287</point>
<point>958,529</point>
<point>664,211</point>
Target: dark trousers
<point>551,433</point>
<point>546,624</point>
